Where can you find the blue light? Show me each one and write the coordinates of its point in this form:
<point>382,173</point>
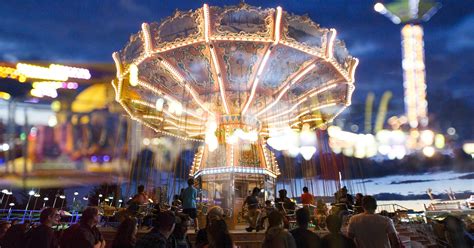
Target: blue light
<point>106,158</point>
<point>94,159</point>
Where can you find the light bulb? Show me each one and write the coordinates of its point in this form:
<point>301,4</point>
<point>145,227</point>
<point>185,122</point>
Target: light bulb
<point>307,152</point>
<point>159,104</point>
<point>133,75</point>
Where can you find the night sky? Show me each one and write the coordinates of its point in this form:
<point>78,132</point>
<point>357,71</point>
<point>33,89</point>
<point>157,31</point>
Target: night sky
<point>89,31</point>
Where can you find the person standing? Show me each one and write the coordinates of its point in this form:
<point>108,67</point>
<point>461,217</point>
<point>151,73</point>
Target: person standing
<point>335,239</point>
<point>189,202</point>
<point>372,230</point>
<point>307,198</point>
<point>253,212</point>
<point>303,237</point>
<point>43,236</point>
<point>276,236</point>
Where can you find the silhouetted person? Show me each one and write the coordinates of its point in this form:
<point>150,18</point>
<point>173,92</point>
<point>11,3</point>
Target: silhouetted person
<point>253,212</point>
<point>141,197</point>
<point>303,237</point>
<point>276,236</point>
<point>84,234</point>
<point>162,230</point>
<point>43,236</point>
<point>214,213</point>
<point>336,239</point>
<point>15,236</point>
<point>126,234</point>
<point>358,203</point>
<point>370,230</point>
<point>179,238</point>
<point>218,235</point>
<point>455,233</point>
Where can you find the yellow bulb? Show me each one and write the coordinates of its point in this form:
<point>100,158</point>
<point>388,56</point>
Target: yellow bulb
<point>133,75</point>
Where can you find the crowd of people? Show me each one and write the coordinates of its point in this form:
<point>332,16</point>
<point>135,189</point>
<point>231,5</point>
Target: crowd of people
<point>170,227</point>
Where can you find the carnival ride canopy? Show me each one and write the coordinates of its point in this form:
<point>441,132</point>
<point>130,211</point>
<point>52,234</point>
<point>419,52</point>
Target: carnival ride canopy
<point>263,68</point>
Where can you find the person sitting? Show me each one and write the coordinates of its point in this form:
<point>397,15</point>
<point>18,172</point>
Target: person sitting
<point>85,234</point>
<point>335,239</point>
<point>343,197</point>
<point>179,238</point>
<point>126,234</point>
<point>15,236</point>
<point>266,212</point>
<point>276,236</point>
<point>214,213</point>
<point>372,230</point>
<point>253,212</point>
<point>141,197</point>
<point>176,203</point>
<point>303,237</point>
<point>218,235</point>
<point>163,227</point>
<point>306,197</point>
<point>358,203</point>
<point>283,203</point>
<point>4,226</point>
<point>43,236</point>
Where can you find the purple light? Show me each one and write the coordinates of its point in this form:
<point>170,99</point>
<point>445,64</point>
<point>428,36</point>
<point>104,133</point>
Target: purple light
<point>106,158</point>
<point>94,159</point>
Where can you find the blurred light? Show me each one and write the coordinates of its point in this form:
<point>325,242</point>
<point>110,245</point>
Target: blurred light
<point>11,204</point>
<point>133,75</point>
<point>72,72</point>
<point>62,196</point>
<point>451,131</point>
<point>379,8</point>
<point>85,198</point>
<point>5,191</point>
<point>5,95</point>
<point>354,128</point>
<point>56,106</point>
<point>39,72</point>
<point>52,121</point>
<point>159,104</point>
<point>307,152</point>
<point>468,148</point>
<point>100,195</point>
<point>146,141</point>
<point>76,193</point>
<point>31,193</point>
<point>45,199</point>
<point>429,151</point>
<point>94,159</point>
<point>37,195</point>
<point>439,141</point>
<point>106,158</point>
<point>5,147</point>
<point>120,200</point>
<point>22,136</point>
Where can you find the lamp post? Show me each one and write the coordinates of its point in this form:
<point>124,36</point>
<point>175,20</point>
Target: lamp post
<point>74,198</point>
<point>31,193</point>
<point>36,200</point>
<point>4,192</point>
<point>10,210</point>
<point>45,200</point>
<point>55,199</point>
<point>9,193</point>
<point>120,203</point>
<point>98,202</point>
<point>111,198</point>
<point>62,198</point>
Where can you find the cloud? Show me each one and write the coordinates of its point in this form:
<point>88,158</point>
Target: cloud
<point>359,48</point>
<point>461,36</point>
<point>412,181</point>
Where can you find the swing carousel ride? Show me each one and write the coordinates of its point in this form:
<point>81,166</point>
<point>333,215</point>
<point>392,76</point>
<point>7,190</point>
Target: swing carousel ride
<point>235,79</point>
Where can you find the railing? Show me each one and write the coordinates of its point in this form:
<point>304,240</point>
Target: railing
<point>391,208</point>
<point>33,216</point>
